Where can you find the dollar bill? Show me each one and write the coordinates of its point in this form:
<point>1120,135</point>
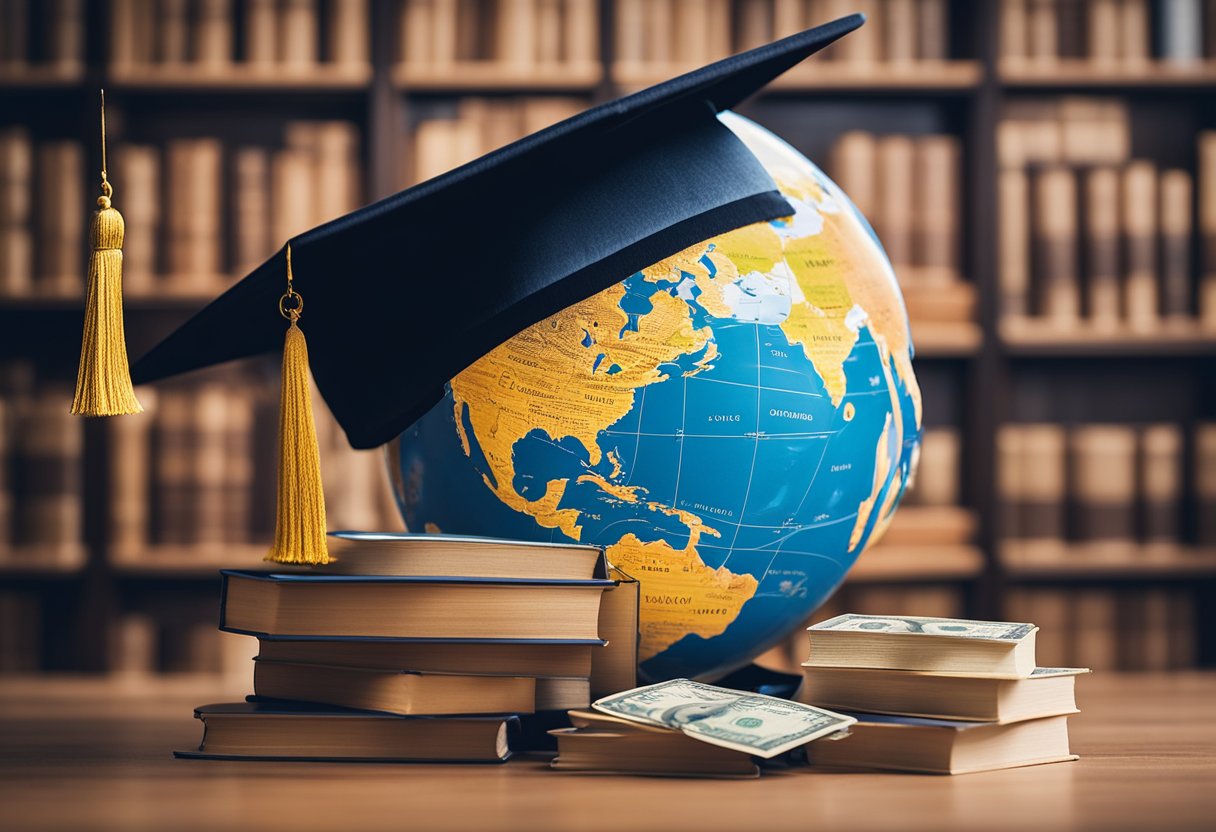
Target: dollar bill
<point>1058,671</point>
<point>749,722</point>
<point>917,625</point>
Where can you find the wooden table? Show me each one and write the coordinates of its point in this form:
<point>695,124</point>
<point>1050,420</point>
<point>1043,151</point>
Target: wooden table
<point>95,755</point>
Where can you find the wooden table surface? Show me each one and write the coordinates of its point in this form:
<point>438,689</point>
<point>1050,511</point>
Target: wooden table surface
<point>86,755</point>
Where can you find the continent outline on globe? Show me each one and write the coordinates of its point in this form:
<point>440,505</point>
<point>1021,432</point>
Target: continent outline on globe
<point>554,426</point>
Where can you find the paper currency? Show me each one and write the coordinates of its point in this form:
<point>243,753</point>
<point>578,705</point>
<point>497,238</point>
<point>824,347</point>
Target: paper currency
<point>749,722</point>
<point>916,625</point>
<point>1058,671</point>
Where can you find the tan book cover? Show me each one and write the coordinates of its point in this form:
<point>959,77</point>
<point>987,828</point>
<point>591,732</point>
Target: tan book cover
<point>66,44</point>
<point>50,448</point>
<point>297,43</point>
<point>417,33</point>
<point>937,475</point>
<point>261,34</point>
<point>854,166</point>
<point>213,36</point>
<point>692,27</point>
<point>1204,467</point>
<point>932,30</point>
<point>1055,245</point>
<point>1176,199</point>
<point>1014,31</point>
<point>516,34</point>
<point>631,31</point>
<point>1134,32</point>
<point>1044,482</point>
<point>1103,297</point>
<point>1161,482</point>
<point>548,36</point>
<point>658,31</point>
<point>1102,32</point>
<point>1103,459</point>
<point>238,486</point>
<point>1043,32</point>
<point>173,35</point>
<point>129,480</point>
<point>16,193</point>
<point>1009,475</point>
<point>896,201</point>
<point>1097,628</point>
<point>789,17</point>
<point>936,218</point>
<point>1013,241</point>
<point>1140,227</point>
<point>208,462</point>
<point>251,242</point>
<point>172,496</point>
<point>580,32</point>
<point>1206,188</point>
<point>293,200</point>
<point>899,31</point>
<point>137,167</point>
<point>62,212</point>
<point>755,24</point>
<point>347,36</point>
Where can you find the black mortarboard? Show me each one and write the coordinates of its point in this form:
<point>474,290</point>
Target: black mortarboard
<point>405,293</point>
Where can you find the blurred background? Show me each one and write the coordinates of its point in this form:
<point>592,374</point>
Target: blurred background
<point>1038,171</point>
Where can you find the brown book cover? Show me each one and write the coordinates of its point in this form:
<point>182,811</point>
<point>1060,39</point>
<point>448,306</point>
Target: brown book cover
<point>60,241</point>
<point>137,167</point>
<point>416,33</point>
<point>1139,214</point>
<point>238,493</point>
<point>580,32</point>
<point>16,195</point>
<point>1207,228</point>
<point>1043,481</point>
<point>49,471</point>
<point>936,482</point>
<point>895,205</point>
<point>212,35</point>
<point>14,32</point>
<point>172,500</point>
<point>516,34</point>
<point>208,463</point>
<point>899,31</point>
<point>1176,244</point>
<point>297,44</point>
<point>1205,482</point>
<point>1102,31</point>
<point>1103,461</point>
<point>936,217</point>
<point>1043,31</point>
<point>1161,483</point>
<point>1097,629</point>
<point>1009,474</point>
<point>261,34</point>
<point>173,32</point>
<point>1102,292</point>
<point>252,242</point>
<point>65,47</point>
<point>1014,31</point>
<point>193,240</point>
<point>130,449</point>
<point>1055,245</point>
<point>1013,241</point>
<point>932,30</point>
<point>1134,32</point>
<point>348,34</point>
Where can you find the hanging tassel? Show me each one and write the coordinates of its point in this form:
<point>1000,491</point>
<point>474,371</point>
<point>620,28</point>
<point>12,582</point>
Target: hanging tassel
<point>299,532</point>
<point>103,380</point>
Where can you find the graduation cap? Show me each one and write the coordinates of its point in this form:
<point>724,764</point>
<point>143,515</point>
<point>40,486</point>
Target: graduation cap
<point>406,293</point>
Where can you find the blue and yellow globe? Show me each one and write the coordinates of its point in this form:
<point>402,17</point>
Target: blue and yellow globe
<point>734,424</point>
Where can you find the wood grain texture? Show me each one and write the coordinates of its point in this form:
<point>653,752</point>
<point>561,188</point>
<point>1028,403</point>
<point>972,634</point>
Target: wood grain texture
<point>96,755</point>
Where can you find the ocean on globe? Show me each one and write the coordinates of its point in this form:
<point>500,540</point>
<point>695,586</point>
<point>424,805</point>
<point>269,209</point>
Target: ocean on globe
<point>734,425</point>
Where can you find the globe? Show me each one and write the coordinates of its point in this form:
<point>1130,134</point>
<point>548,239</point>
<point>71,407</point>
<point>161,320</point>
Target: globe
<point>734,425</point>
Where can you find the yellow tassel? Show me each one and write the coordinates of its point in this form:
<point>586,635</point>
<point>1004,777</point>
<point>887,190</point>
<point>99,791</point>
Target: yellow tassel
<point>299,534</point>
<point>103,380</point>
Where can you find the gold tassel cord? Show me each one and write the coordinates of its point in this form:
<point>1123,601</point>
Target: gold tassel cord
<point>103,379</point>
<point>299,534</point>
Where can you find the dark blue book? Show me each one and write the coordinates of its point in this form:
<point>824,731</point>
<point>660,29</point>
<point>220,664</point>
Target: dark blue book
<point>309,605</point>
<point>270,730</point>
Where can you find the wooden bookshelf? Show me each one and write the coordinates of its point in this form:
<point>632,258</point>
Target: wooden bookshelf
<point>980,352</point>
<point>1085,75</point>
<point>1105,561</point>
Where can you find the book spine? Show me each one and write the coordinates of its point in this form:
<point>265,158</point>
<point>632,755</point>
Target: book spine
<point>1183,625</point>
<point>1043,35</point>
<point>60,237</point>
<point>1176,244</point>
<point>16,196</point>
<point>292,197</point>
<point>213,35</point>
<point>1140,245</point>
<point>20,632</point>
<point>854,164</point>
<point>937,474</point>
<point>894,209</point>
<point>1010,466</point>
<point>863,48</point>
<point>237,489</point>
<point>14,33</point>
<point>936,218</point>
<point>1103,459</point>
<point>1134,32</point>
<point>415,35</point>
<point>1161,483</point>
<point>933,30</point>
<point>548,34</point>
<point>1055,232</point>
<point>208,463</point>
<point>51,443</point>
<point>899,31</point>
<point>1102,247</point>
<point>1180,26</point>
<point>129,476</point>
<point>133,645</point>
<point>754,22</point>
<point>632,33</point>
<point>1205,483</point>
<point>123,16</point>
<point>66,47</point>
<point>251,230</point>
<point>516,32</point>
<point>137,167</point>
<point>789,17</point>
<point>297,45</point>
<point>261,34</point>
<point>171,498</point>
<point>174,32</point>
<point>657,29</point>
<point>1097,627</point>
<point>581,32</point>
<point>1014,46</point>
<point>1207,229</point>
<point>1013,241</point>
<point>348,34</point>
<point>1043,481</point>
<point>1102,43</point>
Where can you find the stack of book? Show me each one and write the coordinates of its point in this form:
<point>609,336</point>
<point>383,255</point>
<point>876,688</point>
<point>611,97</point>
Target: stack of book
<point>937,695</point>
<point>421,647</point>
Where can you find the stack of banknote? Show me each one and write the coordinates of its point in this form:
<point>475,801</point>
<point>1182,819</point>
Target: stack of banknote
<point>937,695</point>
<point>686,728</point>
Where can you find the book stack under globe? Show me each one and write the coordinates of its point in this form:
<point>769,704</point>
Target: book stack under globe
<point>420,647</point>
<point>937,695</point>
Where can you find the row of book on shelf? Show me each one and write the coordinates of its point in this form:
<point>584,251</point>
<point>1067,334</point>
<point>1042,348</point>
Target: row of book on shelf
<point>279,36</point>
<point>185,478</point>
<point>1106,33</point>
<point>1104,483</point>
<point>1090,236</point>
<point>48,34</point>
<point>175,202</point>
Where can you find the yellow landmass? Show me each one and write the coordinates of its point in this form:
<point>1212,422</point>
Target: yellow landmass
<point>752,248</point>
<point>887,513</point>
<point>882,468</point>
<point>818,324</point>
<point>680,594</point>
<point>628,493</point>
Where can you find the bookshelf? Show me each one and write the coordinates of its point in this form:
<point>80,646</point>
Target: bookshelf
<point>978,366</point>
